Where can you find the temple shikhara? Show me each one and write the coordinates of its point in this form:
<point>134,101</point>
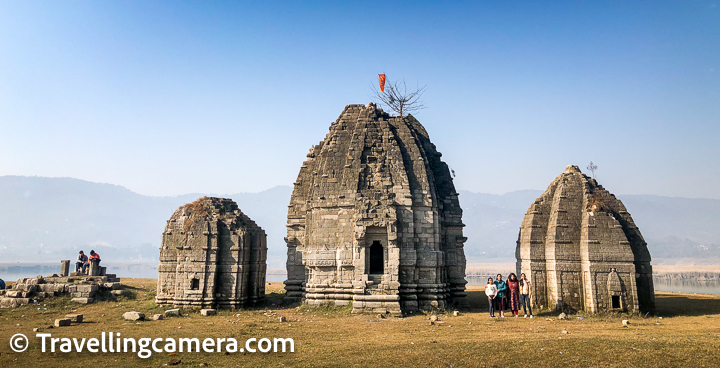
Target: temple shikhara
<point>581,250</point>
<point>212,255</point>
<point>374,219</point>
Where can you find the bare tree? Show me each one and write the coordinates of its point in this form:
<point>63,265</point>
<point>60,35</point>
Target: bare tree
<point>592,167</point>
<point>398,99</point>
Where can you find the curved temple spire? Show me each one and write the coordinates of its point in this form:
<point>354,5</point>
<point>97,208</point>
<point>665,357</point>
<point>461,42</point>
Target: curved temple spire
<point>581,250</point>
<point>375,180</point>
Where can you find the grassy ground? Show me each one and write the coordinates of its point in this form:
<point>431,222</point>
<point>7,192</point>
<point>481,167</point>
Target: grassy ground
<point>687,335</point>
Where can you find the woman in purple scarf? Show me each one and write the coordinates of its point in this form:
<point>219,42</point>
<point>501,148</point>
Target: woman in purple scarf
<point>514,295</point>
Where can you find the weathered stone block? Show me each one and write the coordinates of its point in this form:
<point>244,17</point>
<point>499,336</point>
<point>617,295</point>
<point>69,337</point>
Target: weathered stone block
<point>134,316</point>
<point>172,312</point>
<point>94,269</point>
<point>208,312</point>
<point>62,322</point>
<point>75,318</point>
<point>64,267</point>
<point>28,288</point>
<point>113,285</point>
<point>82,300</point>
<point>8,302</point>
<point>89,289</point>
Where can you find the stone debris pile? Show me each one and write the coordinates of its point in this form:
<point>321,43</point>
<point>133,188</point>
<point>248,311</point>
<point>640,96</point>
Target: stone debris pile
<point>81,288</point>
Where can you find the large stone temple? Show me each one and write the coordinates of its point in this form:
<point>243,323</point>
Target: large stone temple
<point>581,250</point>
<point>374,219</point>
<point>212,255</point>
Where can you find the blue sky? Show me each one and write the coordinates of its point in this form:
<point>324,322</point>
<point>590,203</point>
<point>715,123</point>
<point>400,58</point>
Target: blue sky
<point>168,98</point>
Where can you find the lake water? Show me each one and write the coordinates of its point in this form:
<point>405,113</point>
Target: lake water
<point>12,272</point>
<point>688,286</point>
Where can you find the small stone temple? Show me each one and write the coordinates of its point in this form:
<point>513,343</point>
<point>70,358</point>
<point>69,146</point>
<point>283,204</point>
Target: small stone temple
<point>212,255</point>
<point>374,219</point>
<point>581,250</point>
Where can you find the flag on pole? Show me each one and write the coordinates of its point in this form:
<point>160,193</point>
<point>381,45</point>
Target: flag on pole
<point>382,82</point>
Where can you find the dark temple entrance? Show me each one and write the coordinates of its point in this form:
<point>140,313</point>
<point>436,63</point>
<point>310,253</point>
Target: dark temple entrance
<point>377,263</point>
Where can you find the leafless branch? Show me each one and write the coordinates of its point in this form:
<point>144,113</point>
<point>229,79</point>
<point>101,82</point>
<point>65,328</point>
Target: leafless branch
<point>398,99</point>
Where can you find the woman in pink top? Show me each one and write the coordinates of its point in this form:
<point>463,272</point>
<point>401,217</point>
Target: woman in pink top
<point>514,287</point>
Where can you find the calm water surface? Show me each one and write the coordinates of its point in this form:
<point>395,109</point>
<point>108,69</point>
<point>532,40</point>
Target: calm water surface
<point>150,271</point>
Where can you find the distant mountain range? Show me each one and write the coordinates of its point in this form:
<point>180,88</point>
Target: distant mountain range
<point>47,219</point>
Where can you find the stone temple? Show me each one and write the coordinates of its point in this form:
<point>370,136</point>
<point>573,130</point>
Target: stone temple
<point>374,219</point>
<point>581,250</point>
<point>212,255</point>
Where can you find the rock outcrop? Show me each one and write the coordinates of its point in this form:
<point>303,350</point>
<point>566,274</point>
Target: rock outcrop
<point>581,250</point>
<point>374,219</point>
<point>212,255</point>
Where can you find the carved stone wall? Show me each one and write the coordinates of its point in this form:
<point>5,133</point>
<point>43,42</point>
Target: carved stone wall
<point>212,255</point>
<point>374,219</point>
<point>581,250</point>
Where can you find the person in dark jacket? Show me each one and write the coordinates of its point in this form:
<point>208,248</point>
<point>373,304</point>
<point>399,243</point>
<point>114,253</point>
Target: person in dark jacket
<point>500,298</point>
<point>2,284</point>
<point>82,262</point>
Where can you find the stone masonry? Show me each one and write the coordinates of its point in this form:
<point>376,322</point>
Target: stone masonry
<point>581,250</point>
<point>33,290</point>
<point>212,255</point>
<point>374,219</point>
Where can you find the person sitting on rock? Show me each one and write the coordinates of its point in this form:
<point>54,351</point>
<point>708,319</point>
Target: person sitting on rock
<point>82,262</point>
<point>94,257</point>
<point>2,284</point>
<point>94,260</point>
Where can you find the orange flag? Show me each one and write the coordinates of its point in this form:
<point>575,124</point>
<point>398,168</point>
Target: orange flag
<point>382,82</point>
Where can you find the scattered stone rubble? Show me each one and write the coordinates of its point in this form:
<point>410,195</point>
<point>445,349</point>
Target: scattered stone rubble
<point>212,255</point>
<point>374,219</point>
<point>82,288</point>
<point>581,250</point>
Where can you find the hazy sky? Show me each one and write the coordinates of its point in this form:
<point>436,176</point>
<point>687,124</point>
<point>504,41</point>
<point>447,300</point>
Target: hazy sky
<point>174,97</point>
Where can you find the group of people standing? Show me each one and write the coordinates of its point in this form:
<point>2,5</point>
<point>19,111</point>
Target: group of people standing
<point>512,293</point>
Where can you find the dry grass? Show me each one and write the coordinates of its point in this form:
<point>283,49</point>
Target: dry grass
<point>687,335</point>
<point>195,211</point>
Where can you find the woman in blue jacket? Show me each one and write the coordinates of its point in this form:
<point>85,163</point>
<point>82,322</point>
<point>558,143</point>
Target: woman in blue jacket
<point>500,298</point>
